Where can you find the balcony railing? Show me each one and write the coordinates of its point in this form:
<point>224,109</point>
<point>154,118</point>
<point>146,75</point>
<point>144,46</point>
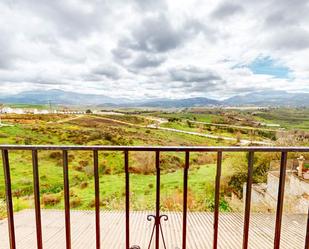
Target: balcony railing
<point>157,217</point>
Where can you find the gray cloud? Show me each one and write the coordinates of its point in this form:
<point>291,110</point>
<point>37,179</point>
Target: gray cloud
<point>111,72</point>
<point>5,54</point>
<point>121,53</point>
<point>194,74</point>
<point>151,5</point>
<point>195,80</point>
<point>154,34</point>
<point>8,55</point>
<point>147,60</point>
<point>226,9</point>
<point>151,47</point>
<point>71,19</point>
<point>278,19</point>
<point>290,39</point>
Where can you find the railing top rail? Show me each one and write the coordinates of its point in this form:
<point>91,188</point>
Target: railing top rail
<point>155,148</point>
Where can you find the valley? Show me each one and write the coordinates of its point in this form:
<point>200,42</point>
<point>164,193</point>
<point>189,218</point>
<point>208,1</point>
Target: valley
<point>184,127</point>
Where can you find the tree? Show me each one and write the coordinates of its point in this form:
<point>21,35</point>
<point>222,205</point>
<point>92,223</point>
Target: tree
<point>88,111</point>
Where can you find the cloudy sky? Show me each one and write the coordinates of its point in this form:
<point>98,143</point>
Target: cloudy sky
<point>154,48</point>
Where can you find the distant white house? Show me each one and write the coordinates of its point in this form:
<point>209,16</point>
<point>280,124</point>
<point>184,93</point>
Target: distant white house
<point>12,110</point>
<point>36,111</point>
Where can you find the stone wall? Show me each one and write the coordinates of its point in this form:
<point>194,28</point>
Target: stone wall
<point>296,195</point>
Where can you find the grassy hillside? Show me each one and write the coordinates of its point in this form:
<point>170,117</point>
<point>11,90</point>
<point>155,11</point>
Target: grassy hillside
<point>129,129</point>
<point>93,130</point>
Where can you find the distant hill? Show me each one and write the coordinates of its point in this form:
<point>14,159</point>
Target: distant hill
<point>59,97</point>
<point>72,98</point>
<point>177,103</point>
<point>260,98</point>
<point>266,98</point>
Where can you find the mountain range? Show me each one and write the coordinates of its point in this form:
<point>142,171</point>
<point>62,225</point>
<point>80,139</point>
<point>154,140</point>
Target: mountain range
<point>55,96</point>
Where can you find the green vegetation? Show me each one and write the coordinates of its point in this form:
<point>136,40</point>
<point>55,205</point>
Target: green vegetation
<point>128,129</point>
<point>202,117</point>
<point>286,117</point>
<point>28,106</point>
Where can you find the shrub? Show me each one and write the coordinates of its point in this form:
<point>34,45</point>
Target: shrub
<point>75,202</point>
<point>2,209</point>
<point>25,181</point>
<point>103,202</point>
<point>190,124</point>
<point>55,155</point>
<point>108,136</point>
<point>83,163</point>
<point>144,163</point>
<point>27,141</point>
<point>77,179</point>
<point>170,162</point>
<point>223,205</point>
<point>78,168</point>
<point>261,166</point>
<point>50,199</point>
<point>104,169</point>
<point>205,158</point>
<point>3,135</point>
<point>56,188</point>
<point>43,177</point>
<point>89,170</point>
<point>17,192</point>
<point>71,158</point>
<point>174,201</point>
<point>83,185</point>
<point>95,136</point>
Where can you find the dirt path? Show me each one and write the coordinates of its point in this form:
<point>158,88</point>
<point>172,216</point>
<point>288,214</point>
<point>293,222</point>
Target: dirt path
<point>160,121</point>
<point>233,126</point>
<point>242,141</point>
<point>66,119</point>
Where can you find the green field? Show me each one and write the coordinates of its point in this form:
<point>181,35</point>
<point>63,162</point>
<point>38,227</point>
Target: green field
<point>286,117</point>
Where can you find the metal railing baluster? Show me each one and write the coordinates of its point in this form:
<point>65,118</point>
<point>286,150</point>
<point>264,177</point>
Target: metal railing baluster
<point>307,233</point>
<point>127,186</point>
<point>217,199</point>
<point>97,198</point>
<point>157,220</point>
<point>283,163</point>
<point>36,190</point>
<point>8,195</point>
<point>185,200</point>
<point>66,199</point>
<point>248,200</point>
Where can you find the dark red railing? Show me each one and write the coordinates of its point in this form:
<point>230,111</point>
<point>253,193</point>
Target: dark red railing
<point>157,217</point>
